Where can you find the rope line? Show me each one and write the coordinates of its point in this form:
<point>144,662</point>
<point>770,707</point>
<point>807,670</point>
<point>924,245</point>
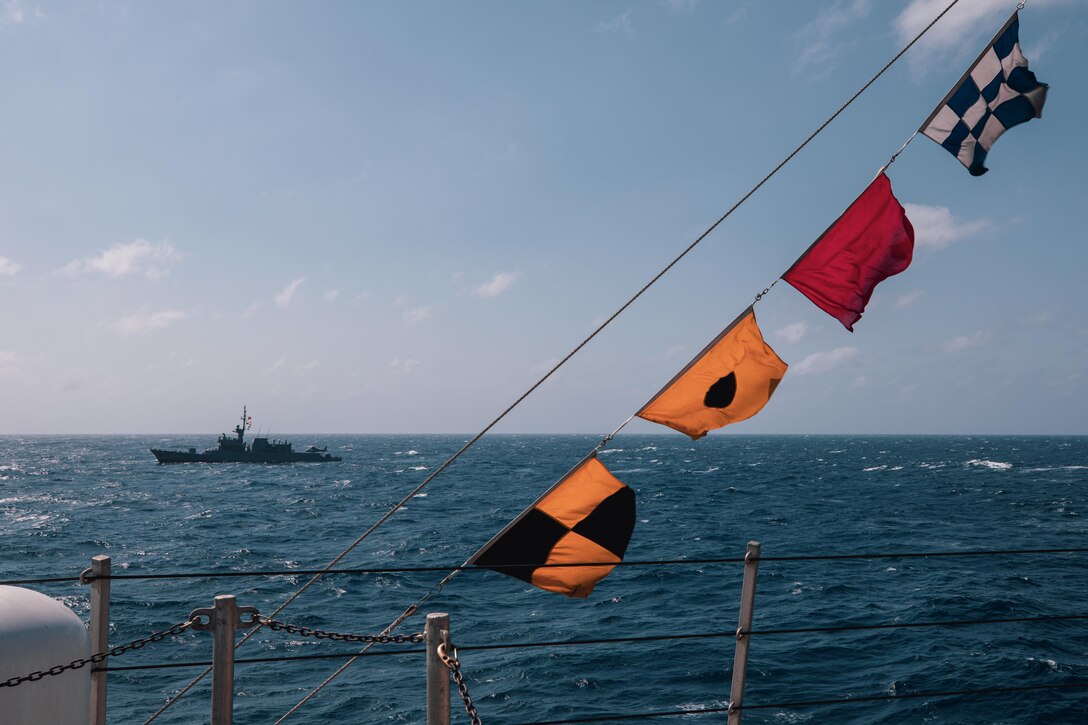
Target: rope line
<point>705,635</point>
<point>800,630</point>
<point>576,349</point>
<point>814,703</point>
<point>50,580</point>
<point>634,716</point>
<point>643,562</point>
<point>919,555</point>
<point>259,660</point>
<point>914,696</point>
<point>910,625</point>
<point>611,640</point>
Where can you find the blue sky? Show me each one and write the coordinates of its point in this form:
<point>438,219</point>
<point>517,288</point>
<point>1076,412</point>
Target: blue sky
<point>394,217</point>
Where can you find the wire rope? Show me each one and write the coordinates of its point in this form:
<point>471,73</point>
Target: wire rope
<point>814,703</point>
<point>473,568</point>
<point>614,640</point>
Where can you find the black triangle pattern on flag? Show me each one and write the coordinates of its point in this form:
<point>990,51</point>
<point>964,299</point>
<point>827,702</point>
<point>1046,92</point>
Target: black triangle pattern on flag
<point>585,519</point>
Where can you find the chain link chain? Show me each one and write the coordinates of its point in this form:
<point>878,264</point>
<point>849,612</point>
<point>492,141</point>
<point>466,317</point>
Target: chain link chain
<point>339,637</point>
<point>454,666</point>
<point>96,658</point>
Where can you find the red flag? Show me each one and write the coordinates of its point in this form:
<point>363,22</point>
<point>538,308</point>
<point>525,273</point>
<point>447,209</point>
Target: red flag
<point>870,242</point>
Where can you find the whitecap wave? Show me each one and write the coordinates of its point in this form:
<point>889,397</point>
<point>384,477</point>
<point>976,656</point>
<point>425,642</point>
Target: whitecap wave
<point>1047,663</point>
<point>992,465</point>
<point>1044,469</point>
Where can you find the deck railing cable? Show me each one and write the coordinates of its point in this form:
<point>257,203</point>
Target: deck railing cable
<point>746,630</point>
<point>815,703</point>
<point>639,563</point>
<point>626,640</point>
<point>261,660</point>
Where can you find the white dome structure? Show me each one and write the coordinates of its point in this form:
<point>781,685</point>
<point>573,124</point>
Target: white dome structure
<point>36,633</point>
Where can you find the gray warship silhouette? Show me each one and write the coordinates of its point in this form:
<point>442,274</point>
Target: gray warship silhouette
<point>234,449</point>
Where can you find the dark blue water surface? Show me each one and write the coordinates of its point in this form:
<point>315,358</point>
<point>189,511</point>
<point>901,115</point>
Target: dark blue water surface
<point>66,499</point>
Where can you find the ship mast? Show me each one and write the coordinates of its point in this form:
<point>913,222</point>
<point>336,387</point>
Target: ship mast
<point>241,429</point>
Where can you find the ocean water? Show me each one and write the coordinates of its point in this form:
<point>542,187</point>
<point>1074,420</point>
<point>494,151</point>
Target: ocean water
<point>64,499</point>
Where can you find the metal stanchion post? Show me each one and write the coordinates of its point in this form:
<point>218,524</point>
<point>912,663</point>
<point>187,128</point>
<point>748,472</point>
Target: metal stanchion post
<point>226,616</point>
<point>224,619</point>
<point>438,675</point>
<point>744,629</point>
<point>99,627</point>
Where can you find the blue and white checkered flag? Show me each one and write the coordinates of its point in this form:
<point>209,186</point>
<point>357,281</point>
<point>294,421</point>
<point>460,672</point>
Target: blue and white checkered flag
<point>995,94</point>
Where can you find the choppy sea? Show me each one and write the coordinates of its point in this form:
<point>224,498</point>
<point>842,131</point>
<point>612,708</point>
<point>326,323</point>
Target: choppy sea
<point>64,499</point>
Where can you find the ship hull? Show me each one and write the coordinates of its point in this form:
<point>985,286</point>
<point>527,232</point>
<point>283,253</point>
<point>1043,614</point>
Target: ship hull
<point>242,457</point>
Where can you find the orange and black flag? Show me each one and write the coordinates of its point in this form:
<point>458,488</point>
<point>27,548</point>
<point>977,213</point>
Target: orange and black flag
<point>584,520</point>
<point>730,380</point>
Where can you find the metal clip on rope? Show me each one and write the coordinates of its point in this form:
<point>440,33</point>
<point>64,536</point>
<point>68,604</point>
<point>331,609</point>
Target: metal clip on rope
<point>454,666</point>
<point>765,291</point>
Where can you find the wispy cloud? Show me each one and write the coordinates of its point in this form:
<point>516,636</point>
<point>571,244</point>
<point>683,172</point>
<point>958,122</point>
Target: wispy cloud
<point>331,295</point>
<point>822,362</point>
<point>908,299</point>
<point>147,322</point>
<point>542,367</point>
<point>817,42</point>
<point>620,24</point>
<point>935,228</point>
<point>947,40</point>
<point>419,314</point>
<point>8,268</point>
<point>15,12</point>
<point>667,355</point>
<point>1037,318</point>
<point>402,366</point>
<point>277,364</point>
<point>308,368</point>
<point>8,367</point>
<point>12,13</point>
<point>966,342</point>
<point>140,257</point>
<point>793,332</point>
<point>284,298</point>
<point>501,282</point>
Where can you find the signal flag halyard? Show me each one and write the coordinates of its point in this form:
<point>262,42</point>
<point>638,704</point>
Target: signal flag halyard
<point>585,518</point>
<point>730,380</point>
<point>871,241</point>
<point>995,94</point>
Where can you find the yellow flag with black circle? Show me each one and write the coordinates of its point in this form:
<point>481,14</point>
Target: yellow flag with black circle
<point>730,380</point>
